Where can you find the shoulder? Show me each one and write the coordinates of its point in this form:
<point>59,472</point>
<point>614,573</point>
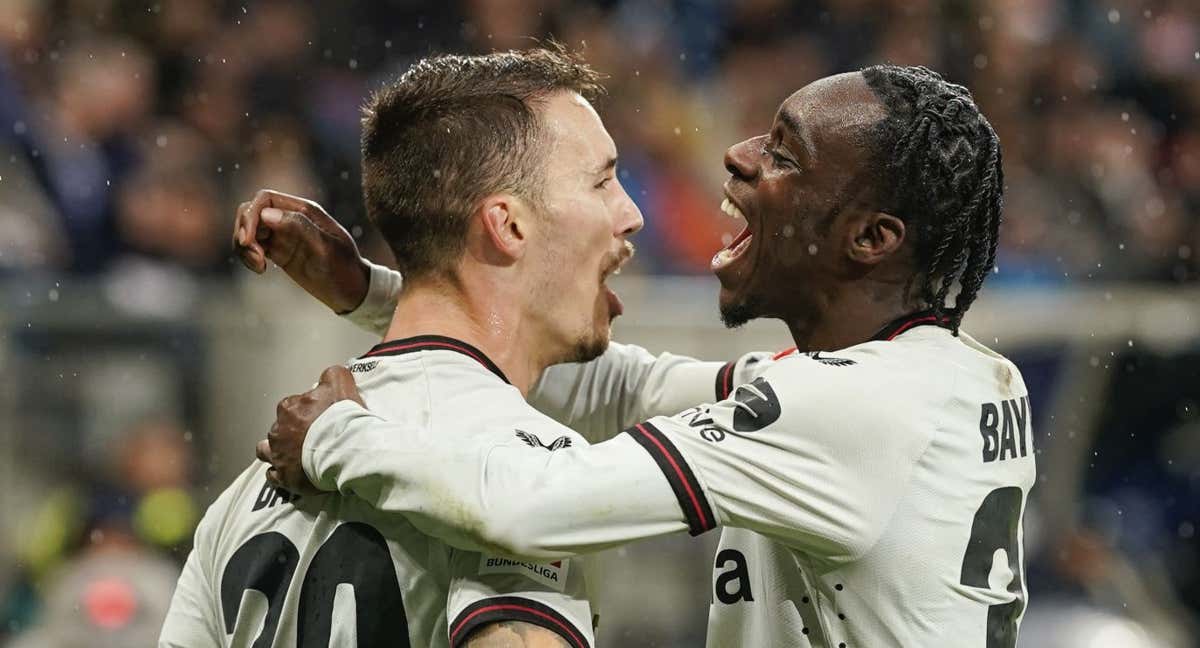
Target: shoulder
<point>868,376</point>
<point>221,514</point>
<point>851,398</point>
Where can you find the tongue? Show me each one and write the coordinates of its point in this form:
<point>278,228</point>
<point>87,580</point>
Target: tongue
<point>615,307</point>
<point>742,235</point>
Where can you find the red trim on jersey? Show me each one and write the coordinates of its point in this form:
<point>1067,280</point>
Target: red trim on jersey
<point>687,489</point>
<point>911,323</point>
<point>782,354</point>
<point>511,608</point>
<point>725,380</point>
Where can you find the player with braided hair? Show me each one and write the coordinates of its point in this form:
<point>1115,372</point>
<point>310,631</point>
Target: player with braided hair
<point>944,159</point>
<point>871,482</point>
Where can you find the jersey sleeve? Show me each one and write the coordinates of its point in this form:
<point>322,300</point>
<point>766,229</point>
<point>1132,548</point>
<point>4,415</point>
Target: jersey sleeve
<point>487,589</point>
<point>627,384</point>
<point>812,454</point>
<point>374,314</point>
<point>533,491</point>
<point>190,622</point>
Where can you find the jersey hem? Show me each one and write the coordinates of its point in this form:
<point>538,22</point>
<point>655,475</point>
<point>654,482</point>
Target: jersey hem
<point>513,608</point>
<point>724,383</point>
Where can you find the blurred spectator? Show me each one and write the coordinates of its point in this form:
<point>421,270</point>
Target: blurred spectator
<point>111,598</point>
<point>129,132</point>
<point>1098,107</point>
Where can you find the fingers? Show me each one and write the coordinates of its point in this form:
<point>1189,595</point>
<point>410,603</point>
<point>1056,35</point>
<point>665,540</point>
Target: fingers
<point>293,237</point>
<point>283,407</point>
<point>341,381</point>
<point>245,233</point>
<point>250,230</point>
<point>337,374</point>
<point>263,451</point>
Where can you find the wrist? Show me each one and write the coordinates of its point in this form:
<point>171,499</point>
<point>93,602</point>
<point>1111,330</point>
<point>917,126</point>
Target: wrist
<point>359,293</point>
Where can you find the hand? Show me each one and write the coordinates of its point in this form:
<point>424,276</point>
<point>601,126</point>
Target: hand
<point>293,416</point>
<point>312,248</point>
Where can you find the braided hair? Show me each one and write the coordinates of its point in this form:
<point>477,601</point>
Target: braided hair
<point>940,172</point>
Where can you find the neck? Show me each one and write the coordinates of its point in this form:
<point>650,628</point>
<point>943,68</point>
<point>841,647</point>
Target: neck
<point>846,318</point>
<point>482,314</point>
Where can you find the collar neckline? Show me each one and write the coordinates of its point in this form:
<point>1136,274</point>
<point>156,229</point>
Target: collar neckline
<point>909,321</point>
<point>434,343</point>
<point>894,328</point>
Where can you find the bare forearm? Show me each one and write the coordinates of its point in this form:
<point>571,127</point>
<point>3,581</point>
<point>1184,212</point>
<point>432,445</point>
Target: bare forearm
<point>515,634</point>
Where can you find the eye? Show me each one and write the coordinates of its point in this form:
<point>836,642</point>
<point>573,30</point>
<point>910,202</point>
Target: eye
<point>604,183</point>
<point>779,160</point>
<point>782,161</point>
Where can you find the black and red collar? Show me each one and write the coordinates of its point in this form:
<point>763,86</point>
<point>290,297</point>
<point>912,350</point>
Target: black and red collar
<point>894,328</point>
<point>910,321</point>
<point>434,343</point>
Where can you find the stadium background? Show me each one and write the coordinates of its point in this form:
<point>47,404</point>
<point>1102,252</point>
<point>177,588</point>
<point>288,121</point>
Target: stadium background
<point>141,363</point>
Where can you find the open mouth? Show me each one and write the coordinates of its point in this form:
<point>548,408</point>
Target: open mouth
<point>740,243</point>
<point>615,307</point>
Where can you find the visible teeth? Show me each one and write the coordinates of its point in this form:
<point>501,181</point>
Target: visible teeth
<point>731,209</point>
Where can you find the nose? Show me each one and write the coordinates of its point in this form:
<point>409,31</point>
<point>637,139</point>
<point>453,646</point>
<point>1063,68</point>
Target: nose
<point>629,217</point>
<point>741,161</point>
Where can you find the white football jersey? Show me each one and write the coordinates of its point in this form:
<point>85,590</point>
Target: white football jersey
<point>269,569</point>
<point>872,496</point>
<point>875,494</point>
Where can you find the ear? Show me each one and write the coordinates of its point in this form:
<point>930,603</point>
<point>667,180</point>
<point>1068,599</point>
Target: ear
<point>873,237</point>
<point>504,220</point>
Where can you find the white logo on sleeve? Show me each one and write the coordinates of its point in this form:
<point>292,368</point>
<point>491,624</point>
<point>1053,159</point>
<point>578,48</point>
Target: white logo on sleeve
<point>552,575</point>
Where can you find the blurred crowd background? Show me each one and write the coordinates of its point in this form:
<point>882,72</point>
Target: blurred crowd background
<point>130,130</point>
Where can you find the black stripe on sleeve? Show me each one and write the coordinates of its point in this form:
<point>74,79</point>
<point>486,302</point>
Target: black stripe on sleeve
<point>725,380</point>
<point>692,500</point>
<point>513,608</point>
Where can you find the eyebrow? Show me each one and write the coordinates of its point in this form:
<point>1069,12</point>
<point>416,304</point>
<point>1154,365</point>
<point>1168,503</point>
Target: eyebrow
<point>797,129</point>
<point>610,163</point>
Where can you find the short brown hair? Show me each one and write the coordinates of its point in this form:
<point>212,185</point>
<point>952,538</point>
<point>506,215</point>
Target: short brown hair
<point>450,131</point>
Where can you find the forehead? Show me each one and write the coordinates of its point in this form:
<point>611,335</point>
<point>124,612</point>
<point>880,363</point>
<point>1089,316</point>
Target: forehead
<point>575,131</point>
<point>834,112</point>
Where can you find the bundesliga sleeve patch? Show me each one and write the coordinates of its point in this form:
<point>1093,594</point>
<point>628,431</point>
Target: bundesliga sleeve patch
<point>553,575</point>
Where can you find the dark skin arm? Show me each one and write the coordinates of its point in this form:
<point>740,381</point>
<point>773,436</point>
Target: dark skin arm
<point>302,238</point>
<point>293,415</point>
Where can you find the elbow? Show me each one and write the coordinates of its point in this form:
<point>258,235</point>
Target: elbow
<point>511,534</point>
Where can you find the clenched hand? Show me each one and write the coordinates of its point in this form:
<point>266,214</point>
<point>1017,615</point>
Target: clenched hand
<point>293,416</point>
<point>306,242</point>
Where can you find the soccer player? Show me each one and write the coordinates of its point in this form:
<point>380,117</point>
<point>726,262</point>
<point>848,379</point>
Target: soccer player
<point>871,481</point>
<point>494,180</point>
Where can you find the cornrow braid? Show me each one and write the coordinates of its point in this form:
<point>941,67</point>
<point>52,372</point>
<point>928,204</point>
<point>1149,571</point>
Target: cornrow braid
<point>941,169</point>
